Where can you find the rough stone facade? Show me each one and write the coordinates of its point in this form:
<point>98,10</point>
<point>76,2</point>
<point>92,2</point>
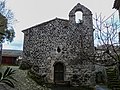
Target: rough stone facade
<point>60,43</point>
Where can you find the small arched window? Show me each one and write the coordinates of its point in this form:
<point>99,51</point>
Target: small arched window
<point>78,16</point>
<point>58,49</point>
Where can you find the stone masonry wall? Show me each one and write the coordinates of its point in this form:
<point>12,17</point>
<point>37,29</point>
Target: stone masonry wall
<point>41,44</point>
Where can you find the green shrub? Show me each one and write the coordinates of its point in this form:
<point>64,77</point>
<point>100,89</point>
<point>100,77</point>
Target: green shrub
<point>7,78</point>
<point>25,65</point>
<point>37,78</point>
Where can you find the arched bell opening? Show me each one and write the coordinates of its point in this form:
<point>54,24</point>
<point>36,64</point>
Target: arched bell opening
<point>78,17</point>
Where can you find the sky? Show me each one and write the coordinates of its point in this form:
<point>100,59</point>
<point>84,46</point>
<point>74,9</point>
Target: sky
<point>32,12</point>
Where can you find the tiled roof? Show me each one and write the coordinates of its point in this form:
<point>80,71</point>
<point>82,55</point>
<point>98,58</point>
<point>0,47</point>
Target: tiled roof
<point>13,53</point>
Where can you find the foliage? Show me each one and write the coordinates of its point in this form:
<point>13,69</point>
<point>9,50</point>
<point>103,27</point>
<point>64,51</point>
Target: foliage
<point>100,78</point>
<point>7,78</point>
<point>25,65</point>
<point>37,78</point>
<point>8,31</point>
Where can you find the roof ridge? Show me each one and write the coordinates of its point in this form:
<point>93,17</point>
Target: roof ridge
<point>45,23</point>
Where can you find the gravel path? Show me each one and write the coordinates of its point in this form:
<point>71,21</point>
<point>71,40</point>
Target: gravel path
<point>23,81</point>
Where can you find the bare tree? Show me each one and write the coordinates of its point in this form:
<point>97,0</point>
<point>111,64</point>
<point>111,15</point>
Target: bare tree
<point>107,40</point>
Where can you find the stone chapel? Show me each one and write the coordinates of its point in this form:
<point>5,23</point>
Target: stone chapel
<point>62,49</point>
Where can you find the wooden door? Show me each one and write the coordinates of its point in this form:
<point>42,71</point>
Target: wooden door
<point>58,72</point>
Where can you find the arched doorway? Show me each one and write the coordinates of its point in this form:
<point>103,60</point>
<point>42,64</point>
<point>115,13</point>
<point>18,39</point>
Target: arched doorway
<point>58,72</point>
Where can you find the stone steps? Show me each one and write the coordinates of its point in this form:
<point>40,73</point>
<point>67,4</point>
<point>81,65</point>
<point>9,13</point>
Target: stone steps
<point>113,81</point>
<point>63,83</point>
